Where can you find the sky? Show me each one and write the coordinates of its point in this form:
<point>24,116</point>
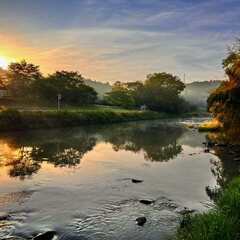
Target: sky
<point>121,40</point>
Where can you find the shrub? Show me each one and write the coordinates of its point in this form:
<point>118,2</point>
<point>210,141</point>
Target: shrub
<point>223,222</point>
<point>209,226</point>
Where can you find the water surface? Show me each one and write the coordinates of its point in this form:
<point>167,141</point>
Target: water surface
<point>77,182</point>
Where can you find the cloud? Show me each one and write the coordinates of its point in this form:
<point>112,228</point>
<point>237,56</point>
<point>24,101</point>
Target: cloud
<point>124,40</point>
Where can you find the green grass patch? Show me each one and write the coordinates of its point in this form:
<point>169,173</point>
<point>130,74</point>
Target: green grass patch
<point>21,120</point>
<point>222,222</point>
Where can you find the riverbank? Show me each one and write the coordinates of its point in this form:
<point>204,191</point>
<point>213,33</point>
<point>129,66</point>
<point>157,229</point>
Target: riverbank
<point>222,222</point>
<point>22,120</point>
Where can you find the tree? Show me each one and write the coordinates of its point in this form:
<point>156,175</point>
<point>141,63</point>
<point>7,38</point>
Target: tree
<point>161,92</point>
<point>231,64</point>
<point>224,102</point>
<point>21,76</point>
<point>69,84</point>
<point>120,96</point>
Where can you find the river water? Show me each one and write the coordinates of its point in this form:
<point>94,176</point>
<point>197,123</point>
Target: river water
<point>77,182</point>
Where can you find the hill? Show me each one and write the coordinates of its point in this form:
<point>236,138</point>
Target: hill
<point>197,92</point>
<point>100,88</point>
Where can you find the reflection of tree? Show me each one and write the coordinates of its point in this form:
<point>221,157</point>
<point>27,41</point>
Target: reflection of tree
<point>63,151</point>
<point>23,165</point>
<point>228,151</point>
<point>158,142</point>
<point>65,154</point>
<point>66,148</point>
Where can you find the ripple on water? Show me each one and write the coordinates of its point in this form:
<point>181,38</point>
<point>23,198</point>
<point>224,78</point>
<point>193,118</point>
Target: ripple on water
<point>15,219</point>
<point>118,220</point>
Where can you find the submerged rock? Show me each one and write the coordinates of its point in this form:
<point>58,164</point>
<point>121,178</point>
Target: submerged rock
<point>141,221</point>
<point>45,236</point>
<point>136,180</point>
<point>184,211</point>
<point>146,202</point>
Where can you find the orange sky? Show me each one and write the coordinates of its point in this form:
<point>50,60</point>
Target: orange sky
<point>120,40</point>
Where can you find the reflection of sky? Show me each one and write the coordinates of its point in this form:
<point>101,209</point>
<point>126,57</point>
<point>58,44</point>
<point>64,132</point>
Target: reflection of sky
<point>120,39</point>
<point>194,140</point>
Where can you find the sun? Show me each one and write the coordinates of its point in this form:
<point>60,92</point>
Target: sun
<point>3,63</point>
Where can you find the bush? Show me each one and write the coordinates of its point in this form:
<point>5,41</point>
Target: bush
<point>223,222</point>
<point>229,202</point>
<point>209,226</point>
<point>15,120</point>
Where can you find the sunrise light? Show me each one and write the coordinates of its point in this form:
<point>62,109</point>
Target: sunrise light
<point>4,62</point>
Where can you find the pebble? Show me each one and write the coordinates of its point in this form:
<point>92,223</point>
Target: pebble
<point>147,202</point>
<point>136,180</point>
<point>45,236</point>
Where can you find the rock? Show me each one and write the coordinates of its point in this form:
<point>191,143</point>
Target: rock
<point>147,202</point>
<point>136,180</point>
<point>212,193</point>
<point>184,211</point>
<point>192,154</point>
<point>141,221</point>
<point>45,236</point>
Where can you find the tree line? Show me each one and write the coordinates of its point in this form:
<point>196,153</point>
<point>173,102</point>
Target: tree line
<point>26,83</point>
<point>159,92</point>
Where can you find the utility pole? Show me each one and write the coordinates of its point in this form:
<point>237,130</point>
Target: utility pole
<point>184,78</point>
<point>59,97</point>
<point>184,81</point>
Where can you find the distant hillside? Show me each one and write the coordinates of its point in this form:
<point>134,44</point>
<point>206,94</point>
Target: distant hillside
<point>100,88</point>
<point>198,92</point>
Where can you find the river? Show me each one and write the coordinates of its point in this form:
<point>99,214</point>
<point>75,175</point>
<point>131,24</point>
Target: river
<point>77,182</point>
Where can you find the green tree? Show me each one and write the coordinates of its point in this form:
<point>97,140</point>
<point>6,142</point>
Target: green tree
<point>120,96</point>
<point>161,92</point>
<point>20,77</point>
<point>69,84</point>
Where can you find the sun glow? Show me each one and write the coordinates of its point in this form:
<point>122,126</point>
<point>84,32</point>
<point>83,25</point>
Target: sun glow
<point>4,63</point>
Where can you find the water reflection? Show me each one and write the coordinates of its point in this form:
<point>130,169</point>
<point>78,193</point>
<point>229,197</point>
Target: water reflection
<point>65,148</point>
<point>24,164</point>
<point>158,142</point>
<point>25,154</point>
<point>227,149</point>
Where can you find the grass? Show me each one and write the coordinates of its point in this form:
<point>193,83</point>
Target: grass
<point>221,223</point>
<point>50,118</point>
<point>22,108</point>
